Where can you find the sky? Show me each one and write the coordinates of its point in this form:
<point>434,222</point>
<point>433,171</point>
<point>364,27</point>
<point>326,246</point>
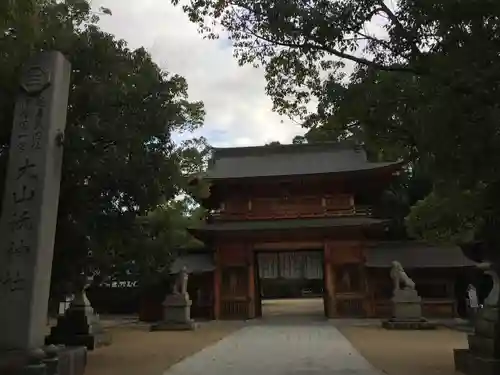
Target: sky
<point>238,112</point>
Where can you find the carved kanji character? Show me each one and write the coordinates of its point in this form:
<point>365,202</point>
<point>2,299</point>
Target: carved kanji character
<point>16,249</point>
<point>21,221</point>
<point>36,139</point>
<point>24,196</point>
<point>21,142</point>
<point>27,167</point>
<point>13,281</point>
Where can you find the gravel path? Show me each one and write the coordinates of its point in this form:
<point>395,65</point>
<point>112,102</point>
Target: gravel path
<point>279,347</point>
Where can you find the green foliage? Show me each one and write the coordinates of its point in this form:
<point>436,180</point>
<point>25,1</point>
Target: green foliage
<point>450,217</point>
<point>421,87</point>
<point>155,240</point>
<point>300,139</point>
<point>119,159</point>
<point>194,155</point>
<point>395,203</point>
<point>199,188</point>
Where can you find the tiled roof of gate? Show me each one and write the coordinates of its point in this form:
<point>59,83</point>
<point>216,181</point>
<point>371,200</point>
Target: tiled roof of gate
<point>289,160</point>
<point>412,254</point>
<point>248,225</point>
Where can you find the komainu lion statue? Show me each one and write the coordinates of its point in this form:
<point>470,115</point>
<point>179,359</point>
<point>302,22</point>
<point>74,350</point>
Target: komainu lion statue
<point>180,285</point>
<point>399,276</point>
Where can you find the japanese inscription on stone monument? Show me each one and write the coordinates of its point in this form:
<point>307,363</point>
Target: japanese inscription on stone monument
<point>31,194</point>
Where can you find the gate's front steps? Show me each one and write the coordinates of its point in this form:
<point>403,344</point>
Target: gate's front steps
<point>263,348</point>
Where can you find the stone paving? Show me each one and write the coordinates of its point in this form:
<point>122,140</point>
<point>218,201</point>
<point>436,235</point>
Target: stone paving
<point>277,347</point>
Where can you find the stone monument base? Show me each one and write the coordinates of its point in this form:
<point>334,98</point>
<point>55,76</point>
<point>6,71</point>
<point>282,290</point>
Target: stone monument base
<point>407,312</point>
<point>468,363</point>
<point>90,341</point>
<point>176,314</point>
<point>79,326</point>
<point>51,360</point>
<point>481,358</point>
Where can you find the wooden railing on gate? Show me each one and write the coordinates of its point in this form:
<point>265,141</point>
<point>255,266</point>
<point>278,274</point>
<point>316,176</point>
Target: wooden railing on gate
<point>292,207</point>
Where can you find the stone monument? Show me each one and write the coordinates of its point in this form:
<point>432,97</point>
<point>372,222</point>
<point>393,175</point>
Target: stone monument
<point>177,307</point>
<point>28,221</point>
<point>406,303</point>
<point>483,355</point>
<point>80,324</point>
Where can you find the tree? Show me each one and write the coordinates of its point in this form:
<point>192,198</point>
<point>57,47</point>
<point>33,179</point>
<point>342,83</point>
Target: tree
<point>154,241</point>
<point>161,234</point>
<point>450,218</point>
<point>119,160</point>
<point>423,86</point>
<point>194,155</point>
<point>158,236</point>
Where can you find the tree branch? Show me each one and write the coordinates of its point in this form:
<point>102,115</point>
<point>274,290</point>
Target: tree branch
<point>395,21</point>
<point>321,47</point>
<point>375,40</point>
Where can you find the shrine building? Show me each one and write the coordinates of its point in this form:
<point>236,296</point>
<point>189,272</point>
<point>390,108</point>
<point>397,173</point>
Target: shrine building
<point>301,216</point>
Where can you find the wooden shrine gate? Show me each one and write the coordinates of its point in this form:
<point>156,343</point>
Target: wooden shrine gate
<point>345,280</point>
<point>234,283</point>
<point>239,269</point>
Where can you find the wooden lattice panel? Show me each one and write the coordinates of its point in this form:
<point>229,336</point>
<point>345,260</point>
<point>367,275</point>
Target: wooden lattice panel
<point>350,307</point>
<point>234,309</point>
<point>234,281</point>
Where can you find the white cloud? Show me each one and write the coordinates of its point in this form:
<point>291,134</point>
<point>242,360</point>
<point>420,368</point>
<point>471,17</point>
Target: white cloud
<point>238,110</point>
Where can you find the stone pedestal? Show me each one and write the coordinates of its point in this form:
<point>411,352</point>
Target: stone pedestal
<point>407,312</point>
<point>483,355</point>
<point>176,314</point>
<point>50,360</point>
<point>79,325</point>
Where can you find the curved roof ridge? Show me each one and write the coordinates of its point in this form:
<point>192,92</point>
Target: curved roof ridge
<point>286,148</point>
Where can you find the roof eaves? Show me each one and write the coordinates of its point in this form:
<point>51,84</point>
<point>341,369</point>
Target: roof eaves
<point>370,167</point>
<point>250,225</point>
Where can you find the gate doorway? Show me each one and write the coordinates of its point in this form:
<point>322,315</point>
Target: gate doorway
<point>289,283</point>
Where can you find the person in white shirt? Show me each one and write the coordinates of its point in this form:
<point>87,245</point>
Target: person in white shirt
<point>472,301</point>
